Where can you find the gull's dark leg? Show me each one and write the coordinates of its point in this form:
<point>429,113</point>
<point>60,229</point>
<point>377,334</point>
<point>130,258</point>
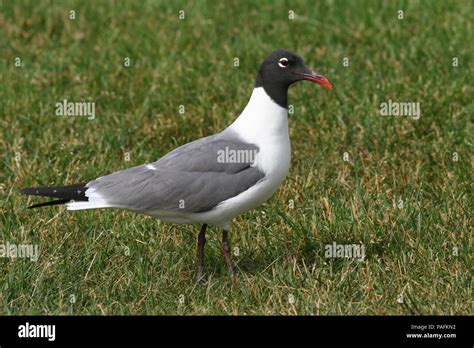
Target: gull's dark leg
<point>200,244</point>
<point>226,251</point>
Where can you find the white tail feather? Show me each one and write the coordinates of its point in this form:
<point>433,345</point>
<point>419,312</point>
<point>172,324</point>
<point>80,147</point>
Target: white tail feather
<point>96,204</point>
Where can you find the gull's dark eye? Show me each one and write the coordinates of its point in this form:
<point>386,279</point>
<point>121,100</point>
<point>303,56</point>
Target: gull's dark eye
<point>283,62</point>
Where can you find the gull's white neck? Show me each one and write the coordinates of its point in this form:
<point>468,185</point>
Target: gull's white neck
<point>262,120</point>
<point>265,124</point>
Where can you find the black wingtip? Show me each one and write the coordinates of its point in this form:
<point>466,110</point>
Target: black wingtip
<point>65,194</point>
<point>76,191</point>
<point>28,191</point>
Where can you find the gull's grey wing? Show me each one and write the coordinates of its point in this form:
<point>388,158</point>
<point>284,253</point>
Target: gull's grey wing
<point>192,178</point>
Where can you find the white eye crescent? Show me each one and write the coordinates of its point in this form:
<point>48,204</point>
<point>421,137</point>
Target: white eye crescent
<point>283,62</point>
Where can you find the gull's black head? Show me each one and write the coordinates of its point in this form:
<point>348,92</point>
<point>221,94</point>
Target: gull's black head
<point>282,68</point>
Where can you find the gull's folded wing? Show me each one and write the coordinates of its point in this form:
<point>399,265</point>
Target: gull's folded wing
<point>194,178</point>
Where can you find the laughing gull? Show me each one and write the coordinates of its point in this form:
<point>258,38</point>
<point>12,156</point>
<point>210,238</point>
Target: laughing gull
<point>211,180</point>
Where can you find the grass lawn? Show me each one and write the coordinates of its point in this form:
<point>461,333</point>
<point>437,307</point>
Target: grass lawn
<point>400,186</point>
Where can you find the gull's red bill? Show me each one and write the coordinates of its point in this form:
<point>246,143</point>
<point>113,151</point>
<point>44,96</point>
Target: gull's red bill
<point>317,78</point>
